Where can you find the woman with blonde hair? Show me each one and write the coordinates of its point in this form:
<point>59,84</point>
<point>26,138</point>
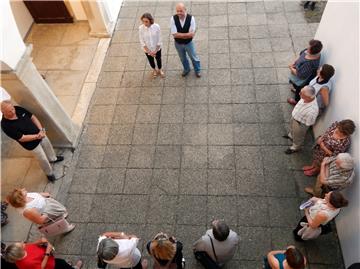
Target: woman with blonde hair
<point>39,208</point>
<point>166,251</point>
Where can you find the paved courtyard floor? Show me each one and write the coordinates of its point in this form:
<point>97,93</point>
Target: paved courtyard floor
<point>173,154</point>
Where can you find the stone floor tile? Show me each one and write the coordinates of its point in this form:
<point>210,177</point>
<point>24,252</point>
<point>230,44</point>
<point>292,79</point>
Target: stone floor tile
<point>282,59</point>
<point>220,94</point>
<point>128,96</point>
<point>270,113</point>
<point>324,250</point>
<point>167,156</point>
<point>260,45</point>
<point>122,49</point>
<point>173,63</point>
<point>116,156</point>
<point>196,113</point>
<point>242,76</point>
<point>111,181</point>
<point>193,181</point>
<point>295,18</point>
<point>145,134</point>
<point>110,79</point>
<point>141,156</point>
<point>236,8</point>
<point>222,207</point>
<point>256,19</point>
<point>265,76</point>
<point>136,63</point>
<point>243,94</point>
<point>253,211</point>
<point>274,156</point>
<point>169,134</point>
<point>84,181</point>
<point>271,134</point>
<point>255,7</point>
<point>300,30</point>
<point>264,59</point>
<point>258,31</point>
<point>218,46</point>
<point>282,75</point>
<point>196,95</point>
<point>172,114</point>
<point>281,44</point>
<point>150,81</point>
<point>165,181</point>
<point>238,20</point>
<point>219,77</point>
<point>96,134</point>
<point>239,45</point>
<point>248,157</point>
<point>245,113</point>
<point>148,114</point>
<point>137,181</point>
<point>162,209</point>
<point>194,157</point>
<point>254,243</point>
<point>200,8</point>
<point>132,79</point>
<point>101,114</point>
<point>151,96</point>
<point>121,134</point>
<point>133,209</point>
<point>302,181</point>
<point>279,30</point>
<point>218,21</point>
<point>193,81</point>
<point>125,114</point>
<point>220,113</point>
<point>267,93</point>
<point>227,179</point>
<point>173,95</point>
<point>220,134</point>
<point>221,157</point>
<point>79,206</point>
<point>217,8</point>
<point>219,60</point>
<point>91,156</point>
<point>280,183</point>
<point>284,212</point>
<point>73,242</point>
<point>241,60</point>
<point>250,182</point>
<point>218,33</point>
<point>194,134</point>
<point>105,96</point>
<point>247,134</point>
<point>284,237</point>
<point>197,214</point>
<point>238,32</point>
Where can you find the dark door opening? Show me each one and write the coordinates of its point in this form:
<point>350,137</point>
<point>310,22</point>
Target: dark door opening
<point>49,11</point>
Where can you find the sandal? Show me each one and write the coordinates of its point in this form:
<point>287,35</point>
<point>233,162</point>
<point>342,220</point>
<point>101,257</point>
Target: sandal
<point>310,173</point>
<point>154,74</point>
<point>307,167</point>
<point>161,73</point>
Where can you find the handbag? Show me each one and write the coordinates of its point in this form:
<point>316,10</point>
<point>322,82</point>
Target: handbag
<point>54,227</point>
<point>308,233</point>
<point>205,259</point>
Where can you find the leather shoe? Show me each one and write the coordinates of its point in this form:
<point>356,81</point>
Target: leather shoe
<point>58,159</point>
<point>51,178</point>
<point>185,73</point>
<point>290,151</point>
<point>198,74</point>
<point>287,137</point>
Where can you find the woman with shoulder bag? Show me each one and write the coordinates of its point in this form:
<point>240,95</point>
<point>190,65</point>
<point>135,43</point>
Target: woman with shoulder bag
<point>166,251</point>
<point>318,215</point>
<point>39,208</point>
<point>291,258</point>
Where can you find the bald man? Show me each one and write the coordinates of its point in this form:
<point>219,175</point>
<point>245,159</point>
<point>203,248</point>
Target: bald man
<point>183,30</point>
<point>24,127</point>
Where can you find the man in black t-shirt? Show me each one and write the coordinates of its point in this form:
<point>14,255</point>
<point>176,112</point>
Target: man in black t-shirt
<point>22,126</point>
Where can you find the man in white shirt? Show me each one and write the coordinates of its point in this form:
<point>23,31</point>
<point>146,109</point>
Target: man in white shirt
<point>223,239</point>
<point>183,29</point>
<point>303,115</point>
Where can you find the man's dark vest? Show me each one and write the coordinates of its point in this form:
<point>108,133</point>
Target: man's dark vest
<point>184,29</point>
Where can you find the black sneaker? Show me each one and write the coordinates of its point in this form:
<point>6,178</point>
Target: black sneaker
<point>290,151</point>
<point>58,159</point>
<point>51,178</point>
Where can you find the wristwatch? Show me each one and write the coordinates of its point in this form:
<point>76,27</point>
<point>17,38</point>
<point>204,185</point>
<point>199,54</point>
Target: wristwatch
<point>47,254</point>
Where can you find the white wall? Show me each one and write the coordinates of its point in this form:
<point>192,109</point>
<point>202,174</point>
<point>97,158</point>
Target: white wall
<point>77,10</point>
<point>339,32</point>
<point>113,8</point>
<point>22,16</point>
<point>12,44</point>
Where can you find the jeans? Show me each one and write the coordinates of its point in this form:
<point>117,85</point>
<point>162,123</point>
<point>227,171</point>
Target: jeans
<point>45,154</point>
<point>188,48</point>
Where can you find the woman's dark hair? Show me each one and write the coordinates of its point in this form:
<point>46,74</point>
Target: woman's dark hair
<point>147,16</point>
<point>347,127</point>
<point>327,71</point>
<point>337,200</point>
<point>295,258</point>
<point>315,46</point>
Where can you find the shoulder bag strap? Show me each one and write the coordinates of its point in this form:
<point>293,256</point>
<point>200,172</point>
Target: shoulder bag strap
<point>212,245</point>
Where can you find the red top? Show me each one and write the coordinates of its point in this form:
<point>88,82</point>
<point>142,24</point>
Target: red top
<point>34,258</point>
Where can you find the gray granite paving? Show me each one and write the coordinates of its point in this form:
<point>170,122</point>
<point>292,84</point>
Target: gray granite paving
<point>173,154</point>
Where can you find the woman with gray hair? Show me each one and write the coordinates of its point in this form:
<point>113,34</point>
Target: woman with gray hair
<point>336,173</point>
<point>120,250</point>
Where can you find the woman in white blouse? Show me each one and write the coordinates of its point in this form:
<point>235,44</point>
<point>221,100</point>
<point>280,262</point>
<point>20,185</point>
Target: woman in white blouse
<point>150,40</point>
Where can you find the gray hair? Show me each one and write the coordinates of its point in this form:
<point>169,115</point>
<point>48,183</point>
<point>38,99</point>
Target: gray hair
<point>308,91</point>
<point>14,252</point>
<point>346,161</point>
<point>107,249</point>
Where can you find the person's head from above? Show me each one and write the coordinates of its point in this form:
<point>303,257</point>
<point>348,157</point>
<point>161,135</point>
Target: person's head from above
<point>147,19</point>
<point>107,249</point>
<point>220,230</point>
<point>17,198</point>
<point>180,10</point>
<point>307,93</point>
<point>294,258</point>
<point>344,161</point>
<point>14,252</point>
<point>336,199</point>
<point>326,72</point>
<point>346,127</point>
<point>162,247</point>
<point>315,47</point>
<point>8,109</point>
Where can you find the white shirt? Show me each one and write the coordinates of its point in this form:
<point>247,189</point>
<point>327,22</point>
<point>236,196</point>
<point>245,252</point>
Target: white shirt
<point>150,36</point>
<point>306,113</point>
<point>182,22</point>
<point>128,255</point>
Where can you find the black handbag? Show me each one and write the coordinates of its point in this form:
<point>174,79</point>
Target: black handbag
<point>205,259</point>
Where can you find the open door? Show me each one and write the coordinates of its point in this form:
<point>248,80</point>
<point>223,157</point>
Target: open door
<point>48,11</point>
